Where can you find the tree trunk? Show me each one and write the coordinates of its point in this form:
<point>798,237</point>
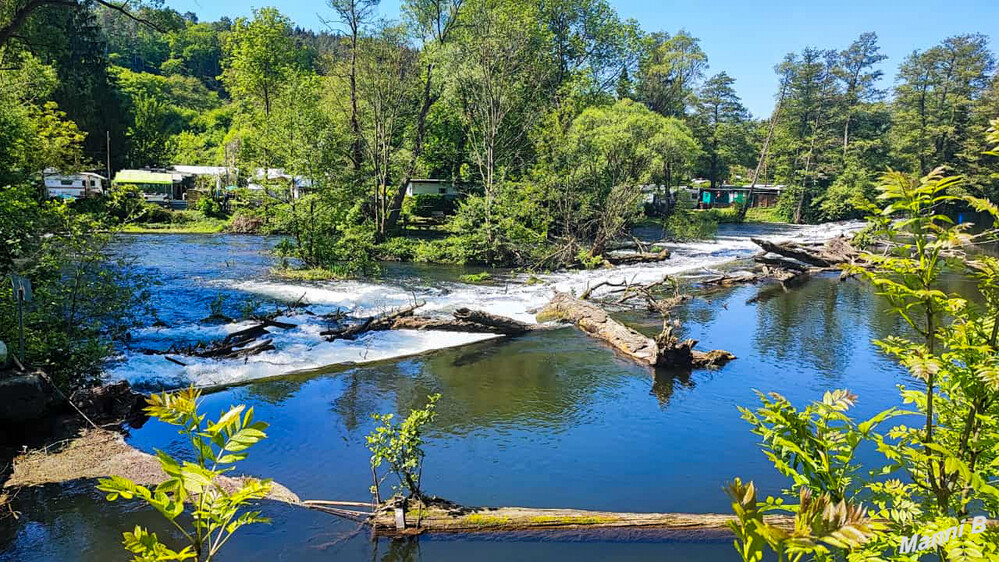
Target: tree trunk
<point>421,130</point>
<point>763,154</point>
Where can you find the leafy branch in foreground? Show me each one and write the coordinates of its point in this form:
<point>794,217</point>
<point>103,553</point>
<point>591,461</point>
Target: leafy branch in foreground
<point>937,471</point>
<point>400,446</point>
<point>218,509</point>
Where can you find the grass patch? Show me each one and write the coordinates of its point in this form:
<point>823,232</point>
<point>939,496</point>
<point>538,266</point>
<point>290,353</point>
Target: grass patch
<point>764,214</point>
<point>310,274</point>
<point>181,222</point>
<point>475,277</point>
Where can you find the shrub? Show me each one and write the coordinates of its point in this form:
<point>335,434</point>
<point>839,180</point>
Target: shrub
<point>216,513</point>
<point>400,446</point>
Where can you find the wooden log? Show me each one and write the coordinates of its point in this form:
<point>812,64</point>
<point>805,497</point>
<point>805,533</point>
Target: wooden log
<point>372,323</point>
<point>443,517</point>
<point>780,262</point>
<point>245,335</point>
<point>594,321</point>
<point>463,320</point>
<point>728,280</point>
<point>664,351</point>
<point>447,325</point>
<point>637,257</point>
<point>508,326</point>
<point>834,252</point>
<point>256,349</point>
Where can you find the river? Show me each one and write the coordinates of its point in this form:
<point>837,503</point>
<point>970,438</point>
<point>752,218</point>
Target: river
<point>551,419</point>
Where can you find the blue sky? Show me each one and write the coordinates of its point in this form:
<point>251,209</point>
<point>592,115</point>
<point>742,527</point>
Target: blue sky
<point>744,38</point>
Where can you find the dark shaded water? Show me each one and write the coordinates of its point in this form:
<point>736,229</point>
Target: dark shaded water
<point>552,419</point>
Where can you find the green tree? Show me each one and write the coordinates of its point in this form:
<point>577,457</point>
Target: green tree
<point>934,99</point>
<point>855,69</point>
<point>260,54</point>
<point>149,140</point>
<point>498,70</point>
<point>399,445</point>
<point>669,69</point>
<point>720,120</point>
<point>594,179</point>
<point>354,15</point>
<point>434,22</point>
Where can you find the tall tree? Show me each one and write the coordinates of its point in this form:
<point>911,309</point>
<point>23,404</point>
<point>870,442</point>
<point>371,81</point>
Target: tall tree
<point>784,70</point>
<point>500,66</point>
<point>812,95</point>
<point>668,72</point>
<point>934,99</point>
<point>15,14</point>
<point>260,53</point>
<point>386,90</point>
<point>435,21</point>
<point>354,15</point>
<point>587,36</point>
<point>859,77</point>
<point>719,116</point>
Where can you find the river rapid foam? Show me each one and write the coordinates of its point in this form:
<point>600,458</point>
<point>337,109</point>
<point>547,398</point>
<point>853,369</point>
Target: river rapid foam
<point>301,348</point>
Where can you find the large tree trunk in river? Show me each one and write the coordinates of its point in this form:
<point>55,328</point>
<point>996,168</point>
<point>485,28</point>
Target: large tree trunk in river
<point>665,351</point>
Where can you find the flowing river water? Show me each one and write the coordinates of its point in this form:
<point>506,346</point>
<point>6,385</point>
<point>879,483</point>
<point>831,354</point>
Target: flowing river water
<point>551,419</point>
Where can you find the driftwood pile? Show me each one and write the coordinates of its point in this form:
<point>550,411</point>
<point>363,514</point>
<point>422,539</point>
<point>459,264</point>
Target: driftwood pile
<point>790,263</point>
<point>240,344</point>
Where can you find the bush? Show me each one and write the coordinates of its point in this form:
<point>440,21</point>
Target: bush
<point>398,249</point>
<point>426,204</point>
<point>847,196</point>
<point>216,509</point>
<point>210,207</point>
<point>244,223</point>
<point>689,224</point>
<point>150,213</point>
<point>475,277</point>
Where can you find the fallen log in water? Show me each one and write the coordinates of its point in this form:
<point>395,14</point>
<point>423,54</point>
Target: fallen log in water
<point>664,351</point>
<point>440,516</point>
<point>593,320</point>
<point>371,323</point>
<point>637,257</point>
<point>462,320</point>
<point>836,251</point>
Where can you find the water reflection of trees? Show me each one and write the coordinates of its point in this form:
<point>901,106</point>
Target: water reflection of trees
<point>546,380</point>
<point>822,322</point>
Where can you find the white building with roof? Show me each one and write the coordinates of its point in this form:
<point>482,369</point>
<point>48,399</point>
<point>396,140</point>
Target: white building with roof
<point>73,186</point>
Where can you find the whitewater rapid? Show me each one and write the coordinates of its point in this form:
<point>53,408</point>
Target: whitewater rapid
<point>302,348</point>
